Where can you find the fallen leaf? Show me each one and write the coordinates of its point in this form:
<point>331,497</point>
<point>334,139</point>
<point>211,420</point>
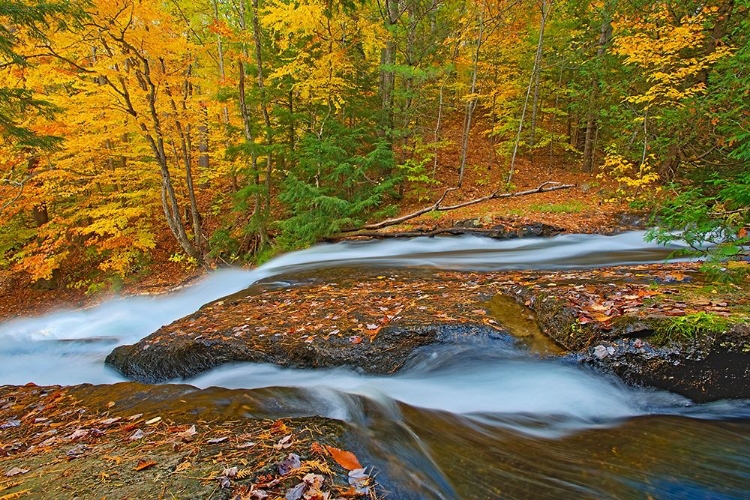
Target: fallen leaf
<point>217,440</point>
<point>16,471</point>
<point>355,339</point>
<point>345,459</point>
<point>187,435</point>
<point>601,317</point>
<point>10,423</point>
<point>109,421</point>
<point>182,466</point>
<point>78,434</point>
<point>290,463</point>
<point>296,492</point>
<point>153,421</point>
<point>359,479</point>
<point>77,450</point>
<point>137,435</point>
<point>279,427</point>
<point>144,464</point>
<point>283,443</point>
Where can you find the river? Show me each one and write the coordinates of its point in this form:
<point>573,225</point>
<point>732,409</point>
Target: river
<point>462,421</point>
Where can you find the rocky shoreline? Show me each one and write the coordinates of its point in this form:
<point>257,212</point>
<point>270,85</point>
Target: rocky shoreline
<point>655,325</point>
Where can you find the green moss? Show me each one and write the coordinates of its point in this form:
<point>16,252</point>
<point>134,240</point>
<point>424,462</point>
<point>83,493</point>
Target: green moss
<point>689,327</point>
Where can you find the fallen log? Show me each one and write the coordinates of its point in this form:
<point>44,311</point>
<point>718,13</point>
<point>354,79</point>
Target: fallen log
<point>438,207</point>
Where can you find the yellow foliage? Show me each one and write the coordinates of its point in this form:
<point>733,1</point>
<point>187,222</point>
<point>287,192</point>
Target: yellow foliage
<point>635,182</point>
<point>103,188</point>
<point>321,66</point>
<point>671,54</point>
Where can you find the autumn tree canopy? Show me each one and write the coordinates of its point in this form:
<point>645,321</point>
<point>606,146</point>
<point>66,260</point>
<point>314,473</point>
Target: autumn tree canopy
<point>238,127</point>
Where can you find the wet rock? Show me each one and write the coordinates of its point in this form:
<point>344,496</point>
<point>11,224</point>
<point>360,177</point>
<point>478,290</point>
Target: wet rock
<point>702,371</point>
<point>501,232</point>
<point>538,230</point>
<point>387,352</point>
<point>630,221</point>
<point>708,367</point>
<point>381,323</point>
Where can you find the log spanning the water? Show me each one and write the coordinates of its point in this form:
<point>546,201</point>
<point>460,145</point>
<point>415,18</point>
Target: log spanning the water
<point>438,207</point>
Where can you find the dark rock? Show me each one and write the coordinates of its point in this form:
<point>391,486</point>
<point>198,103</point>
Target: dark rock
<point>714,367</point>
<point>629,221</point>
<point>700,371</point>
<point>502,232</point>
<point>186,356</point>
<point>538,230</point>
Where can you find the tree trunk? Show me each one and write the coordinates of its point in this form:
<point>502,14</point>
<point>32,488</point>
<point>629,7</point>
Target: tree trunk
<point>40,214</point>
<point>220,50</point>
<point>262,231</point>
<point>387,61</point>
<point>546,8</point>
<point>156,141</point>
<point>203,146</point>
<point>472,102</point>
<point>605,34</point>
<point>246,121</point>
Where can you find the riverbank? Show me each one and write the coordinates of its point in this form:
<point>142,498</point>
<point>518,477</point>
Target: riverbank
<point>664,325</point>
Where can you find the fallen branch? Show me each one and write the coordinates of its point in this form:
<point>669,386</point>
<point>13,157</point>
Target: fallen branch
<point>497,232</point>
<point>436,207</point>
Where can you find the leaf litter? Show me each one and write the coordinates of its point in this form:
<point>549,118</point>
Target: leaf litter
<point>244,462</point>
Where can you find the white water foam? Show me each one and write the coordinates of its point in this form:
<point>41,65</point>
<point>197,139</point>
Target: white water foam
<point>69,346</point>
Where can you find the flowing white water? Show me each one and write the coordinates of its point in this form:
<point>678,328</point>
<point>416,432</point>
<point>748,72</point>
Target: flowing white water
<point>560,397</point>
<point>478,419</point>
<point>69,346</point>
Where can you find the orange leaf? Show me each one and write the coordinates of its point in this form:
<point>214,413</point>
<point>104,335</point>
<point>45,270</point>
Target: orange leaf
<point>144,464</point>
<point>279,427</point>
<point>345,459</point>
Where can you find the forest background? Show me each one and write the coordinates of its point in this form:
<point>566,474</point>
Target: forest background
<point>229,130</point>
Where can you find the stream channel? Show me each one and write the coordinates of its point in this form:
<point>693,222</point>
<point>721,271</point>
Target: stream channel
<point>460,421</point>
